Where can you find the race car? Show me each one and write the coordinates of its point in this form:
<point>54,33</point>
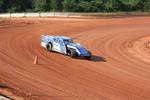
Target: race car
<point>64,45</point>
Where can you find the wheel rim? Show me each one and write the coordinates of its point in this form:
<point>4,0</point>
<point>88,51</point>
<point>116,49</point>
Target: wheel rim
<point>50,47</point>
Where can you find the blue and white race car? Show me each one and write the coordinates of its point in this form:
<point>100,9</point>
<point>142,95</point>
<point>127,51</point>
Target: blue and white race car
<point>64,45</point>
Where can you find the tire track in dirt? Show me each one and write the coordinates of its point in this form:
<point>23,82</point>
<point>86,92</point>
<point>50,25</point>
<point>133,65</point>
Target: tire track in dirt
<point>114,73</point>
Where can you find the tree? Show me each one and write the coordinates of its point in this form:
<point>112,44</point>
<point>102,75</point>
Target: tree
<point>56,5</point>
<point>48,5</point>
<point>109,5</point>
<point>39,5</point>
<point>74,5</point>
<point>129,5</point>
<point>53,5</point>
<point>146,5</point>
<point>96,6</point>
<point>1,5</point>
<point>69,5</point>
<point>16,5</point>
<point>84,6</point>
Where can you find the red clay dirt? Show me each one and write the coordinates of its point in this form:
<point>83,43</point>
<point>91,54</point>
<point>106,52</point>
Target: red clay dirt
<point>115,72</point>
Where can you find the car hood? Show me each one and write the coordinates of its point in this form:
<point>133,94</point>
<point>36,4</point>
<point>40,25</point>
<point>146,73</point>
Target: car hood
<point>81,50</point>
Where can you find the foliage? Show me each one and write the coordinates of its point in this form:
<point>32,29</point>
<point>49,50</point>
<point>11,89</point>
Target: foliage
<point>39,5</point>
<point>74,5</point>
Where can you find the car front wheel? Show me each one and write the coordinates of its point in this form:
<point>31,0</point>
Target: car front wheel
<point>73,53</point>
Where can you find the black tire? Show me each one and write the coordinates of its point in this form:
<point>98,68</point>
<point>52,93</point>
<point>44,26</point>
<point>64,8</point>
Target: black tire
<point>73,53</point>
<point>68,51</point>
<point>49,47</point>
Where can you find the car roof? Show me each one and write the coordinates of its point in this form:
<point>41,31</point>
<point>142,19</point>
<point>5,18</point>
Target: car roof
<point>49,38</point>
<point>63,37</point>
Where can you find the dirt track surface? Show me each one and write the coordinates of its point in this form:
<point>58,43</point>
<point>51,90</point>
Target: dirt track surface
<point>118,69</point>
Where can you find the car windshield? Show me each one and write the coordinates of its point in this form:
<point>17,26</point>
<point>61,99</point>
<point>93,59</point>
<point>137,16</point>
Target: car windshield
<point>68,40</point>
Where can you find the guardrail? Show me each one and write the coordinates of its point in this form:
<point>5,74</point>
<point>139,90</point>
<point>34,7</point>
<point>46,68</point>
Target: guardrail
<point>40,14</point>
<point>69,14</point>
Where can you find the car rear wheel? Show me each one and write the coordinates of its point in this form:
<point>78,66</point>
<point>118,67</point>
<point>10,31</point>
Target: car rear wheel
<point>49,47</point>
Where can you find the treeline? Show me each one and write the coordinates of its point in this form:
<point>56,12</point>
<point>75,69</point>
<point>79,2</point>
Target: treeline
<point>74,5</point>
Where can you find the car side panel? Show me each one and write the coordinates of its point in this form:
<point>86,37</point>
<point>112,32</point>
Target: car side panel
<point>59,47</point>
<point>63,48</point>
<point>56,47</point>
<point>43,44</point>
